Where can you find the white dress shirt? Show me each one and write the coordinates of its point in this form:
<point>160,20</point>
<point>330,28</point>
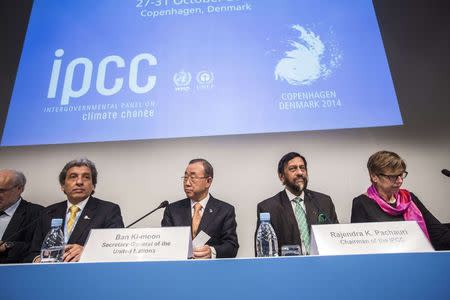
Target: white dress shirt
<point>203,202</point>
<point>7,216</point>
<point>81,206</point>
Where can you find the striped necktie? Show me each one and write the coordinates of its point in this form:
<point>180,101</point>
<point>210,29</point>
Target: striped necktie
<point>302,222</point>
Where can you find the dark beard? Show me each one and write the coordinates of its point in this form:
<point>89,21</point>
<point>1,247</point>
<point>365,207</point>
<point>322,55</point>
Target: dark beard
<point>296,189</point>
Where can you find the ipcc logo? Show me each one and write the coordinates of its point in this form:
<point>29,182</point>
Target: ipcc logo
<point>70,89</point>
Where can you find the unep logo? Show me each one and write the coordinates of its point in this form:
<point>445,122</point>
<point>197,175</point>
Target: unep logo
<point>205,80</point>
<point>205,77</point>
<point>86,67</point>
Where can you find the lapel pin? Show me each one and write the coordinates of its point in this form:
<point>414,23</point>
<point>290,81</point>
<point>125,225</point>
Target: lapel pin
<point>210,210</point>
<point>87,217</point>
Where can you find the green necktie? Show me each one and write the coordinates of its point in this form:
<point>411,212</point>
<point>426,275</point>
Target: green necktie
<point>300,215</point>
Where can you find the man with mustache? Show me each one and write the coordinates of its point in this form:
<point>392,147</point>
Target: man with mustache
<point>294,210</point>
<point>81,211</point>
<point>203,212</point>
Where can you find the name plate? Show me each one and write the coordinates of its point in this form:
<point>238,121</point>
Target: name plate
<point>137,244</point>
<point>367,238</point>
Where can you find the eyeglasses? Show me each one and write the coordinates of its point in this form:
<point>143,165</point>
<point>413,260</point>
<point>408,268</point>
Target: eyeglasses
<point>192,178</point>
<point>393,178</point>
<point>8,189</point>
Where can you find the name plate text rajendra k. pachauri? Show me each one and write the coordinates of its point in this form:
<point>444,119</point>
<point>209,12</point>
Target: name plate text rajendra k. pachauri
<point>366,238</point>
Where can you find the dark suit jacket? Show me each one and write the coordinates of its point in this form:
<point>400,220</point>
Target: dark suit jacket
<point>365,209</point>
<point>24,215</point>
<point>96,214</point>
<point>319,210</point>
<point>218,221</point>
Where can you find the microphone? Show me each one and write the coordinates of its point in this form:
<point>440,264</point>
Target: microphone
<point>446,172</point>
<point>8,239</point>
<point>162,205</point>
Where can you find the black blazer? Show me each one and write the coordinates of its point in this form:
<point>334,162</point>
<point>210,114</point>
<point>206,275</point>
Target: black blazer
<point>365,209</point>
<point>24,215</point>
<point>218,221</point>
<point>319,210</point>
<point>96,214</point>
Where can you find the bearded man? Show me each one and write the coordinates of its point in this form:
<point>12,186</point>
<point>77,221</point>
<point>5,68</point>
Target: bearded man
<point>295,209</point>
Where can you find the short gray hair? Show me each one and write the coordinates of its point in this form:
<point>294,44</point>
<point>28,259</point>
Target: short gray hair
<point>18,177</point>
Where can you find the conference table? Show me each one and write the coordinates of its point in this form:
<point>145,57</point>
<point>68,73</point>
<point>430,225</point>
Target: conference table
<point>375,276</point>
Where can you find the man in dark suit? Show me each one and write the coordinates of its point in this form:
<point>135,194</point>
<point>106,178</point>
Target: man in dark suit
<point>205,213</point>
<point>294,210</point>
<point>81,211</point>
<point>16,217</point>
